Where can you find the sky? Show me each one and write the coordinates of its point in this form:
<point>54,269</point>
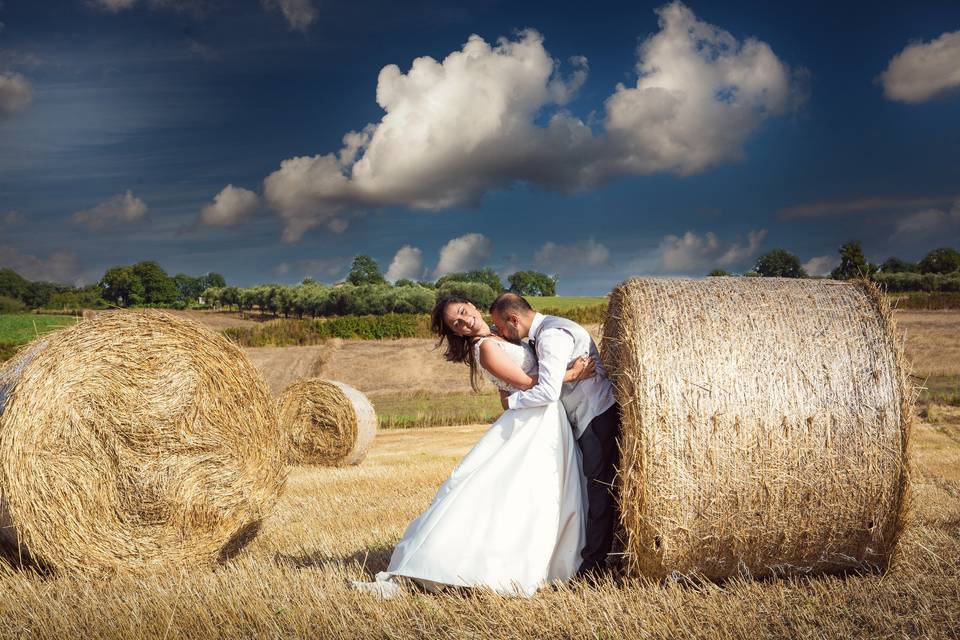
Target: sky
<point>273,140</point>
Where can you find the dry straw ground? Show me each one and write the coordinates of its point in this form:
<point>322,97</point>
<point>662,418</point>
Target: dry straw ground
<point>339,524</point>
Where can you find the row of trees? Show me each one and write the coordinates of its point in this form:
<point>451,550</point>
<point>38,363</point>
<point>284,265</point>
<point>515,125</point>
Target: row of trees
<point>939,270</point>
<point>365,271</point>
<point>366,291</point>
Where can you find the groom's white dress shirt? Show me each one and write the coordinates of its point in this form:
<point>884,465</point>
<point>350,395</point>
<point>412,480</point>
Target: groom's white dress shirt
<point>558,342</point>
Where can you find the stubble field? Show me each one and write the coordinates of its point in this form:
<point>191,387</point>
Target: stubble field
<point>336,525</point>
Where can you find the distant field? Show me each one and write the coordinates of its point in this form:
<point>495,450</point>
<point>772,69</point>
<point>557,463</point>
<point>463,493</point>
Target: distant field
<point>23,327</point>
<point>426,409</point>
<point>564,303</point>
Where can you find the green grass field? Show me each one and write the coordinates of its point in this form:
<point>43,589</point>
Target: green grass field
<point>21,328</point>
<point>563,303</point>
<point>420,409</point>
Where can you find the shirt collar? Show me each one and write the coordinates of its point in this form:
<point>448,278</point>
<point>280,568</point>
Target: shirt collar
<point>535,326</point>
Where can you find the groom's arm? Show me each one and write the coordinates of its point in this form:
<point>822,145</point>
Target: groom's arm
<point>554,351</point>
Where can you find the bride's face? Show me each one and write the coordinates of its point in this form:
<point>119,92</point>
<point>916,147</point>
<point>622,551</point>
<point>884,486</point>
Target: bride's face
<point>465,320</point>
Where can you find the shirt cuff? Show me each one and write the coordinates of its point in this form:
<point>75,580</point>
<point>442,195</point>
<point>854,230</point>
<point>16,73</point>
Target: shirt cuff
<point>512,400</point>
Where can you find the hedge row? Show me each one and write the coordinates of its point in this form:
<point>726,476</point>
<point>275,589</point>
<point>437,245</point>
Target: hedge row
<point>897,282</point>
<point>281,333</point>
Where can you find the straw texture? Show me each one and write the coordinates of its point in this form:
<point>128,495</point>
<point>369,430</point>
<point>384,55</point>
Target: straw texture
<point>326,422</point>
<point>765,425</point>
<point>131,440</point>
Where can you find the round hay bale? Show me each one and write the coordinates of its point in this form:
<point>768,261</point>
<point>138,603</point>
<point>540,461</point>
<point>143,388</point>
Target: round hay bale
<point>135,438</point>
<point>765,425</point>
<point>326,422</point>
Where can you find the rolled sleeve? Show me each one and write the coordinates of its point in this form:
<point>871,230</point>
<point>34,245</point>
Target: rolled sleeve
<point>554,350</point>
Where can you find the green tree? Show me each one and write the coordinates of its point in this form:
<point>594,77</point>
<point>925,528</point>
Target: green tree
<point>779,263</point>
<point>532,283</point>
<point>479,293</point>
<point>853,264</point>
<point>485,276</point>
<point>12,284</point>
<point>212,279</point>
<point>404,282</point>
<point>942,260</point>
<point>158,287</point>
<point>716,273</point>
<point>365,270</point>
<point>894,264</point>
<point>122,287</point>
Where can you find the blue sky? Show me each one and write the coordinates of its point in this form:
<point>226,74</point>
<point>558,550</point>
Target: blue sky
<point>749,127</point>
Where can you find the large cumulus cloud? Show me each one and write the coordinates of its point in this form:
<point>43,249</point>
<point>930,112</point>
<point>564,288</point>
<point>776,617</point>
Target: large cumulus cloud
<point>493,115</point>
<point>924,70</point>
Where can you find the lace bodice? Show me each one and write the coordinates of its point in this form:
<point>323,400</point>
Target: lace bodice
<point>522,354</point>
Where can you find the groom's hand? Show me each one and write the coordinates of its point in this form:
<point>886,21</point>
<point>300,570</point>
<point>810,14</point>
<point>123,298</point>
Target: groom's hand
<point>580,369</point>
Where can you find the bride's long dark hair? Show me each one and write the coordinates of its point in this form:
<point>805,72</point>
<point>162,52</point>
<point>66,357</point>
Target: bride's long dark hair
<point>459,348</point>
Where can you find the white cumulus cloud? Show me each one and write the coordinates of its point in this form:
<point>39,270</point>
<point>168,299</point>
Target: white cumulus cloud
<point>300,14</point>
<point>588,253</point>
<point>694,253</point>
<point>490,116</point>
<point>61,265</point>
<point>929,222</point>
<point>15,93</point>
<point>821,265</point>
<point>407,263</point>
<point>924,70</point>
<point>700,93</point>
<point>466,253</point>
<point>121,209</point>
<point>231,206</point>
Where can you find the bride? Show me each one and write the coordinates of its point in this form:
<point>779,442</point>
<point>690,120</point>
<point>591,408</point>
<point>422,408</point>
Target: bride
<point>511,515</point>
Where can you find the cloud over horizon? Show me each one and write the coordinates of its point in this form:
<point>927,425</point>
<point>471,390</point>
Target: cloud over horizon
<point>692,253</point>
<point>578,255</point>
<point>229,207</point>
<point>406,263</point>
<point>121,209</point>
<point>15,93</point>
<point>924,70</point>
<point>62,265</point>
<point>491,116</point>
<point>465,253</point>
<point>929,223</point>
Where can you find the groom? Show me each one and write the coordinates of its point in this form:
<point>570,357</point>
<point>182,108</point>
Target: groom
<point>589,404</point>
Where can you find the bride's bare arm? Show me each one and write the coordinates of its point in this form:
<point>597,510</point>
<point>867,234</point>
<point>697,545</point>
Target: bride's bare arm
<point>503,367</point>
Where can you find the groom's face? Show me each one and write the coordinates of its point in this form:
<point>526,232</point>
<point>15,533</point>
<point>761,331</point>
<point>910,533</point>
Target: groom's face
<point>510,325</point>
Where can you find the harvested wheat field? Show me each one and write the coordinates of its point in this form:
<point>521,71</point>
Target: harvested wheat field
<point>335,525</point>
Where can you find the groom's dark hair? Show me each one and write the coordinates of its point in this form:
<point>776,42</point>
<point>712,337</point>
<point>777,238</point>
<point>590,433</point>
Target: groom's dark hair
<point>510,303</point>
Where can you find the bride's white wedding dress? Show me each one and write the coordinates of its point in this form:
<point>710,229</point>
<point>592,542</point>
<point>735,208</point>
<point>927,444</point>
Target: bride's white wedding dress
<point>511,515</point>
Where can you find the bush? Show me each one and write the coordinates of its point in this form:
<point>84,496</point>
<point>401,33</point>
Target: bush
<point>11,305</point>
<point>480,294</point>
<point>282,333</point>
<point>943,260</point>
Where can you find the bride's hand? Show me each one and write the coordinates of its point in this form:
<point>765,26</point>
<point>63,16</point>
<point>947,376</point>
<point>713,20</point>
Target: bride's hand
<point>581,369</point>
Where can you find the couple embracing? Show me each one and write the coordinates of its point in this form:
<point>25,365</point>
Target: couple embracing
<point>531,504</point>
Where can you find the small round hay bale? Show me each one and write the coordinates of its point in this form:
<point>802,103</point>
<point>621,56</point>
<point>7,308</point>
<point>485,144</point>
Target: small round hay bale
<point>326,422</point>
<point>134,439</point>
<point>765,425</point>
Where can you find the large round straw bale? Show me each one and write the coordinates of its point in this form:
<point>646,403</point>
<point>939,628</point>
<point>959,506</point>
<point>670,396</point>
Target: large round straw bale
<point>134,439</point>
<point>326,422</point>
<point>765,425</point>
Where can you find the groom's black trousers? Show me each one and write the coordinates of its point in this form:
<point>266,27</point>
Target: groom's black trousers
<point>599,446</point>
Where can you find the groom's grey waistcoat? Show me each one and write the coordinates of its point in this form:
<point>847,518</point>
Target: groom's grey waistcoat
<point>583,400</point>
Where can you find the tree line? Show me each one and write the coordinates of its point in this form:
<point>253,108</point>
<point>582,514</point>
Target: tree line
<point>939,270</point>
<point>364,291</point>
